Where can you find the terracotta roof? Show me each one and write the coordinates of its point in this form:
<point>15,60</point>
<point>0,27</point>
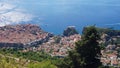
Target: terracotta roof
<point>20,33</point>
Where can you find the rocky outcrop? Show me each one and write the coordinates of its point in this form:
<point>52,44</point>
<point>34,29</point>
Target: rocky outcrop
<point>70,31</point>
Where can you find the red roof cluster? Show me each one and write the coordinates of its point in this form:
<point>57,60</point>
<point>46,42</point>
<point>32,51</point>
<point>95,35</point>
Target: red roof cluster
<point>21,33</point>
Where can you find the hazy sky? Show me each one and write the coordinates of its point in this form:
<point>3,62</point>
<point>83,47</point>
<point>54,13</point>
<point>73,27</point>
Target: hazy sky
<point>55,15</point>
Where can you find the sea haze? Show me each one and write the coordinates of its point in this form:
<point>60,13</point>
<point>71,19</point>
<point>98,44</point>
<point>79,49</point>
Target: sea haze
<point>55,15</point>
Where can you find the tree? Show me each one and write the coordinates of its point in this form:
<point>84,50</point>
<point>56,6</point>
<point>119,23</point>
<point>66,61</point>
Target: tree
<point>57,39</point>
<point>86,52</point>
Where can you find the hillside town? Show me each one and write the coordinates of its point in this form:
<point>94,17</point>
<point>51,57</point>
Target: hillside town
<point>61,48</point>
<point>57,45</point>
<point>22,34</point>
<point>33,38</point>
<point>111,53</point>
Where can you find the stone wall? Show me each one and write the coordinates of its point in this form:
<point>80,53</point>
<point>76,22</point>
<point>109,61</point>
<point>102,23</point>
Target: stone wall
<point>15,45</point>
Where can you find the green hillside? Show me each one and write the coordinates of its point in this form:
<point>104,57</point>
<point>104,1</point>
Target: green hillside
<point>9,60</point>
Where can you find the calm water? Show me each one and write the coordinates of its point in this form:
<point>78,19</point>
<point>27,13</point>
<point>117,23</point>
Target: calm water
<point>55,15</point>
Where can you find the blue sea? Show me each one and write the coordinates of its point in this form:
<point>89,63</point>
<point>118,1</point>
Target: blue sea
<point>55,15</point>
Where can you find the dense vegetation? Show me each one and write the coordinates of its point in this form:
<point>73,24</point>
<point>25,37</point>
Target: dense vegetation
<point>39,59</point>
<point>37,56</point>
<point>12,62</point>
<point>110,31</point>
